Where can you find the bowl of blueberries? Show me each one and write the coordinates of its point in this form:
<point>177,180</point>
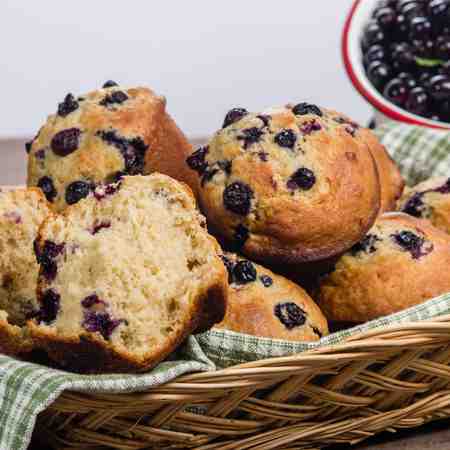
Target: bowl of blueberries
<point>397,55</point>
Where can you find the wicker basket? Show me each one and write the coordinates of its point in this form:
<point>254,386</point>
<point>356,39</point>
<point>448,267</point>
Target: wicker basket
<point>382,380</point>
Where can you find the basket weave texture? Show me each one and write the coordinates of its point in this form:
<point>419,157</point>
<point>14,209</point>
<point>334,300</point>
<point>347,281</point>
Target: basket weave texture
<point>381,380</point>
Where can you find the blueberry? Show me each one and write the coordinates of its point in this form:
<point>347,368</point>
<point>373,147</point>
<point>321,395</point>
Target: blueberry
<point>378,73</point>
<point>100,225</point>
<point>266,280</point>
<point>385,17</point>
<point>263,156</point>
<point>45,256</point>
<point>196,161</point>
<point>100,322</point>
<point>374,53</point>
<point>76,191</point>
<point>91,300</point>
<point>290,314</point>
<point>40,154</point>
<point>310,126</point>
<point>66,141</point>
<point>306,108</point>
<point>109,83</point>
<point>225,165</point>
<point>237,198</point>
<point>234,115</point>
<point>396,91</point>
<point>250,136</point>
<point>47,187</point>
<point>439,87</point>
<point>28,146</point>
<point>411,243</point>
<point>116,97</point>
<point>132,150</point>
<point>417,101</point>
<point>303,179</point>
<point>244,272</point>
<point>67,106</point>
<point>49,306</point>
<point>414,206</point>
<point>229,265</point>
<point>419,28</point>
<point>286,138</point>
<point>366,245</point>
<point>373,34</point>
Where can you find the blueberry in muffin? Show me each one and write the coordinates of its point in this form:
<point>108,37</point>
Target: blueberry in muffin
<point>392,268</point>
<point>264,304</point>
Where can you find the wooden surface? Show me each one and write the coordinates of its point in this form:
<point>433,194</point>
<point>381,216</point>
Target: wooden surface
<point>431,436</point>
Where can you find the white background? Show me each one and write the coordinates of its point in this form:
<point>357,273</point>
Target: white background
<point>204,56</point>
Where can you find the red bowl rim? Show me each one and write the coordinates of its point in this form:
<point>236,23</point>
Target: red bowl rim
<point>367,94</point>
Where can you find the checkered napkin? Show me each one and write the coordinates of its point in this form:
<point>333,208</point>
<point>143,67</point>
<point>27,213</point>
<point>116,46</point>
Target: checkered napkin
<point>26,389</point>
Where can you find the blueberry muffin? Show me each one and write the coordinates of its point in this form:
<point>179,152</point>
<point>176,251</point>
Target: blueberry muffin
<point>396,266</point>
<point>287,185</point>
<point>429,200</point>
<point>98,137</point>
<point>125,275</point>
<point>21,213</point>
<point>263,304</point>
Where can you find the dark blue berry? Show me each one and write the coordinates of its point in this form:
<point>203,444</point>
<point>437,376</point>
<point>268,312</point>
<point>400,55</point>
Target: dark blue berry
<point>100,322</point>
<point>65,142</point>
<point>133,150</point>
<point>244,272</point>
<point>411,243</point>
<point>286,138</point>
<point>67,106</point>
<point>237,198</point>
<point>49,306</point>
<point>234,115</point>
<point>290,314</point>
<point>76,191</point>
<point>310,126</point>
<point>303,179</point>
<point>306,108</point>
<point>109,83</point>
<point>196,161</point>
<point>47,187</point>
<point>266,280</point>
<point>250,136</point>
<point>116,97</point>
<point>414,206</point>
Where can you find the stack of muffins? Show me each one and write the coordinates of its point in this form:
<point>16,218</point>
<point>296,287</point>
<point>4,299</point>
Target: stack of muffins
<point>108,264</point>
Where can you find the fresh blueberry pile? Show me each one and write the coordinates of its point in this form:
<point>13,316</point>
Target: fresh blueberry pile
<point>406,55</point>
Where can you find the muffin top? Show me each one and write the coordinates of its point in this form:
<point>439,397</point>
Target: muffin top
<point>92,139</point>
<point>395,266</point>
<point>289,184</point>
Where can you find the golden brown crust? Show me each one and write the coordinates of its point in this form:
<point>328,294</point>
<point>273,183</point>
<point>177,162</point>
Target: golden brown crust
<point>391,180</point>
<point>251,307</point>
<point>14,340</point>
<point>285,225</point>
<point>385,277</point>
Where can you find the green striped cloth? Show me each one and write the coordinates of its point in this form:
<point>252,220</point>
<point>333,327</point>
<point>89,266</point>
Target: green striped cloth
<point>26,389</point>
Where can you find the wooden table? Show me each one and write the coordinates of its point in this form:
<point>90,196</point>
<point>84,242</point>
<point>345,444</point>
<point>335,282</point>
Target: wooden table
<point>431,436</point>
